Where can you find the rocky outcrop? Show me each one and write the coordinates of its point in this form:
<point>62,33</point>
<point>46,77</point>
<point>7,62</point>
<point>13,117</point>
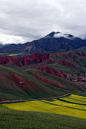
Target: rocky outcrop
<point>25,60</point>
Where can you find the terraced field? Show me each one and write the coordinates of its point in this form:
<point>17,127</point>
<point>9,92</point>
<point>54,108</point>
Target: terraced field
<point>73,105</point>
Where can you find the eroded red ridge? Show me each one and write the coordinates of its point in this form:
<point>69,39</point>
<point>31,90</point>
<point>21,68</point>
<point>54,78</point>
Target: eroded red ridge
<point>24,83</point>
<point>47,69</point>
<point>66,63</point>
<point>25,60</point>
<point>51,82</point>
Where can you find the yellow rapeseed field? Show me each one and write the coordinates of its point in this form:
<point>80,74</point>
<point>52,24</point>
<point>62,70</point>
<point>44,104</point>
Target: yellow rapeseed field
<point>13,54</point>
<point>72,105</point>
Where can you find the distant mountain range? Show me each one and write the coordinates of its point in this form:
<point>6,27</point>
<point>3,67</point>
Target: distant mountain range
<point>53,42</point>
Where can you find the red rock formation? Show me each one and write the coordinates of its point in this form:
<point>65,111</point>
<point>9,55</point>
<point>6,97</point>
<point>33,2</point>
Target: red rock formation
<point>4,60</point>
<point>54,83</point>
<point>24,83</point>
<point>47,69</point>
<point>66,63</point>
<point>81,53</point>
<point>25,60</point>
<point>50,61</point>
<point>19,81</point>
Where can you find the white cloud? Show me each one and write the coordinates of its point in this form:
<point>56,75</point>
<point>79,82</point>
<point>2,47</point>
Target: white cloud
<point>5,38</point>
<point>31,19</point>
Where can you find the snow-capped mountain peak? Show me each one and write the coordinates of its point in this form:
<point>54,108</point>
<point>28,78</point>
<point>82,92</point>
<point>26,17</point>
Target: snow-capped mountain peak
<point>59,35</point>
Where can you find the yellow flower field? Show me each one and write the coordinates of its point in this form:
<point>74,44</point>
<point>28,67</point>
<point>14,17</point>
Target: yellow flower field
<point>13,54</point>
<point>72,105</point>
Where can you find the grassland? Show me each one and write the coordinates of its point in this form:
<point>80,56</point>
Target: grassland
<point>63,113</point>
<point>36,120</point>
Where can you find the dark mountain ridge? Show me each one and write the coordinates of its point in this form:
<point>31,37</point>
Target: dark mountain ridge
<point>53,42</point>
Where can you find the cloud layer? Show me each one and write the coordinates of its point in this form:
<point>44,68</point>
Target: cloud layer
<point>22,21</point>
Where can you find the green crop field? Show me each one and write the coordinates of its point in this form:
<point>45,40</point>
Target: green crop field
<point>11,119</point>
<point>60,113</point>
<point>73,105</point>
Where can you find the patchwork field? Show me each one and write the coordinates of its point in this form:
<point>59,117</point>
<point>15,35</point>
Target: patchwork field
<point>62,113</point>
<point>72,105</point>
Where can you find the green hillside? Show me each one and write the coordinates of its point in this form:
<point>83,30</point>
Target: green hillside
<point>43,92</point>
<point>61,73</point>
<point>34,87</point>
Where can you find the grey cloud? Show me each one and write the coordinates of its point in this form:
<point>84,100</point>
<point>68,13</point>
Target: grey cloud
<point>33,19</point>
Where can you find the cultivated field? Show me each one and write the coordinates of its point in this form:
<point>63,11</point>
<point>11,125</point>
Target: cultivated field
<point>62,113</point>
<point>72,105</point>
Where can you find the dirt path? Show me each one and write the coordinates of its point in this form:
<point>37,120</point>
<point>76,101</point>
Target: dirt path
<point>58,96</point>
<point>12,101</point>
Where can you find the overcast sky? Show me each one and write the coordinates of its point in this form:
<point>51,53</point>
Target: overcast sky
<point>26,20</point>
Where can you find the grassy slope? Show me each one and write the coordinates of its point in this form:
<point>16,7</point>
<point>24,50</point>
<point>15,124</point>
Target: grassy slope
<point>8,88</point>
<point>11,90</point>
<point>82,49</point>
<point>69,58</point>
<point>36,87</point>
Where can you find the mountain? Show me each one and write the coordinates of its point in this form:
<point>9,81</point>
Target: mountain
<point>53,42</point>
<point>49,67</point>
<point>1,45</point>
<point>83,49</point>
<point>42,75</point>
